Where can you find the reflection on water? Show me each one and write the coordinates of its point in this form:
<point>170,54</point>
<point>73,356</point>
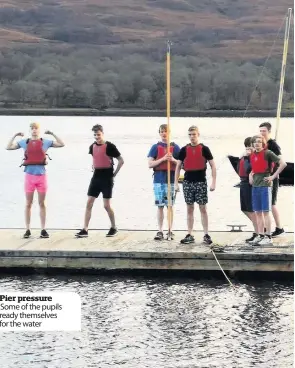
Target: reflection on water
<point>153,322</point>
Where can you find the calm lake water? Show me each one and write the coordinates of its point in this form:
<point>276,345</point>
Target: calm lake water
<point>69,172</point>
<point>146,322</point>
<point>165,323</point>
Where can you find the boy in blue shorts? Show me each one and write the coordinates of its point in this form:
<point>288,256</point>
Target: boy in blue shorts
<point>262,161</point>
<point>158,158</point>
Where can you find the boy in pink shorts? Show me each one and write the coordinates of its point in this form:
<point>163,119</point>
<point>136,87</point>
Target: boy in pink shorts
<point>35,174</point>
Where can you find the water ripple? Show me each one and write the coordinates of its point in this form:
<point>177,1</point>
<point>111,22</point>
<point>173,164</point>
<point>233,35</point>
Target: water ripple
<point>143,322</point>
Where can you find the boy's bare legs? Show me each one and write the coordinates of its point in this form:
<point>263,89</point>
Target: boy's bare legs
<point>160,217</point>
<point>276,216</point>
<point>267,221</point>
<point>28,209</point>
<point>190,218</point>
<point>252,217</point>
<point>204,218</point>
<point>260,222</point>
<point>41,200</point>
<point>110,212</point>
<point>88,211</point>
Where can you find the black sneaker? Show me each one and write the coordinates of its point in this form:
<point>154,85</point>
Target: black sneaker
<point>82,234</point>
<point>159,236</point>
<point>27,234</point>
<point>207,239</point>
<point>112,232</point>
<point>188,239</point>
<point>251,239</point>
<point>44,234</point>
<point>277,232</point>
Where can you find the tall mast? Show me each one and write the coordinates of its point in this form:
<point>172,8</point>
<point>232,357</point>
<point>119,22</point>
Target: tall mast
<point>283,70</point>
<point>168,93</point>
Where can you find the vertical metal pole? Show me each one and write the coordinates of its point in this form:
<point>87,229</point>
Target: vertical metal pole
<point>283,70</point>
<point>168,95</point>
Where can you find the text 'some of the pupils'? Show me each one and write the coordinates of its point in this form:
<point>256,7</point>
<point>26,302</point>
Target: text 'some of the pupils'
<point>40,311</point>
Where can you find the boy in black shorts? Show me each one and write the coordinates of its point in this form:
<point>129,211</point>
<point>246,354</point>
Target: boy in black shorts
<point>265,131</point>
<point>244,169</point>
<point>102,181</point>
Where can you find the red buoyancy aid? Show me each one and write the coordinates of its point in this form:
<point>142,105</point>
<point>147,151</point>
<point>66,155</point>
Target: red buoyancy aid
<point>161,153</point>
<point>242,168</point>
<point>259,163</point>
<point>34,153</point>
<point>100,159</point>
<point>194,159</point>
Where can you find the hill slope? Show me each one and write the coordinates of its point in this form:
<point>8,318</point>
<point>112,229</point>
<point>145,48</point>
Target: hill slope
<point>111,53</point>
<point>235,29</point>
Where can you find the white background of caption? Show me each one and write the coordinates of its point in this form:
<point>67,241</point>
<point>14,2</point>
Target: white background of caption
<point>63,313</point>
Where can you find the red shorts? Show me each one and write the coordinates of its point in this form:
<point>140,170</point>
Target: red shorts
<point>35,182</point>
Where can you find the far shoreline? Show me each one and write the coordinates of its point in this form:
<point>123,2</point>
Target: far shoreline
<point>141,113</point>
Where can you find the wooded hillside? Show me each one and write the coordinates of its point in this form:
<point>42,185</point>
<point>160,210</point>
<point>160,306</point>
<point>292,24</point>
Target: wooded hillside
<point>104,54</point>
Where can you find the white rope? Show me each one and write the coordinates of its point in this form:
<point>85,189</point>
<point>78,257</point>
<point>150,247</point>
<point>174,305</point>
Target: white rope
<point>231,284</point>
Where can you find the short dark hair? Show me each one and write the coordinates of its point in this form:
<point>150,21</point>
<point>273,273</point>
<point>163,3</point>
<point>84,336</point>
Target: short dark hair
<point>266,125</point>
<point>97,128</point>
<point>193,128</point>
<point>248,142</point>
<point>163,127</point>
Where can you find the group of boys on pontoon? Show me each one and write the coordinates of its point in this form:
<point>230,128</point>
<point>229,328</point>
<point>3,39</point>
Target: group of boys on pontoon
<point>259,168</point>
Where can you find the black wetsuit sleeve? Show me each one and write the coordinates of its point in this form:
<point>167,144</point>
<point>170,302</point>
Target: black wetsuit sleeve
<point>274,147</point>
<point>112,150</point>
<point>248,165</point>
<point>182,154</point>
<point>207,153</point>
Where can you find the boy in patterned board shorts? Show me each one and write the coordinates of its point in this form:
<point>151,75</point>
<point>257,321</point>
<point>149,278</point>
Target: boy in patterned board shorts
<point>157,160</point>
<point>193,157</point>
<point>262,161</point>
